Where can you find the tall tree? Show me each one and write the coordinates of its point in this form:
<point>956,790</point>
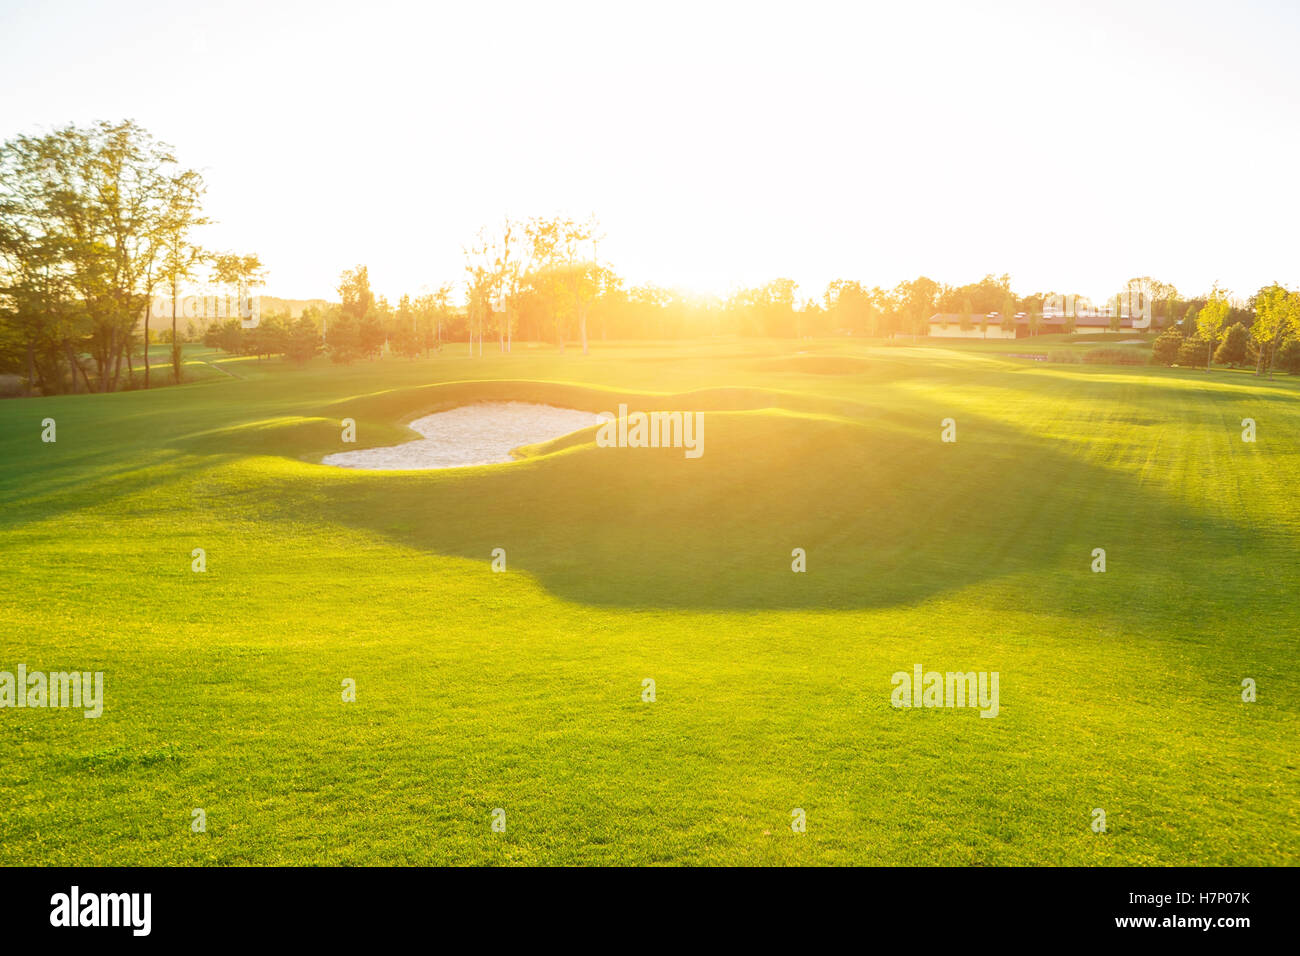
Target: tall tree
<point>181,259</point>
<point>182,214</point>
<point>1211,319</point>
<point>354,290</point>
<point>578,241</point>
<point>1009,306</point>
<point>917,300</point>
<point>36,297</point>
<point>1277,315</point>
<point>481,286</point>
<point>121,215</point>
<point>241,273</point>
<point>508,266</point>
<point>545,255</point>
<point>102,201</point>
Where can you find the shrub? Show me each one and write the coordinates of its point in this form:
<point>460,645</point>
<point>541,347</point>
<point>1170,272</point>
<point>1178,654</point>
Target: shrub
<point>1191,354</point>
<point>1166,347</point>
<point>1114,357</point>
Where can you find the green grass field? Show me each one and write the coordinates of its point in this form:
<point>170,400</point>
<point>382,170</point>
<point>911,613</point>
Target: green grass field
<point>523,690</point>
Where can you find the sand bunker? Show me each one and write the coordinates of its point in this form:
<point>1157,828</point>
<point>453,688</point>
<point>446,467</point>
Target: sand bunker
<point>471,435</point>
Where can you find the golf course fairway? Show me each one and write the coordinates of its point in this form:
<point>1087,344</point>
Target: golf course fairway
<point>607,650</point>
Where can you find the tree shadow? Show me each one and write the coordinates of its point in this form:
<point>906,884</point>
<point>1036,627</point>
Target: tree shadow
<point>886,513</point>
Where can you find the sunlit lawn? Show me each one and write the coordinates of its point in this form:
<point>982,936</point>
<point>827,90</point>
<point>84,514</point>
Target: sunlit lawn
<point>523,690</point>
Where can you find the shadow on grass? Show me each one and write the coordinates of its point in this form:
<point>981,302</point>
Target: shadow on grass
<point>886,513</point>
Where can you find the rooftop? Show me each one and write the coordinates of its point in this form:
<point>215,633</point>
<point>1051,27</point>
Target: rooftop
<point>1020,318</point>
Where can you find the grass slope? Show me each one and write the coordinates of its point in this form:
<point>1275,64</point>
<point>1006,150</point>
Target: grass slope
<point>522,690</point>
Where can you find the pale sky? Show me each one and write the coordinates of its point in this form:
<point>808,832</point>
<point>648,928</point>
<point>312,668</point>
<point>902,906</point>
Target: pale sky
<point>1072,145</point>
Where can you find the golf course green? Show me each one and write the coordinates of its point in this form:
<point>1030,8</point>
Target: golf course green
<point>524,690</point>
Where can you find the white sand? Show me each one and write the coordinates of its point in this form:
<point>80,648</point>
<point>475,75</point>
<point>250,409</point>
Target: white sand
<point>470,435</point>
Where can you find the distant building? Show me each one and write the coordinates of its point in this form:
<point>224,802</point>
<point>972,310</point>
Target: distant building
<point>947,325</point>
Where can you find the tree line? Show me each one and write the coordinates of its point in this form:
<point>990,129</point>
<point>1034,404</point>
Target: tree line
<point>98,222</point>
<point>531,280</point>
<point>1266,333</point>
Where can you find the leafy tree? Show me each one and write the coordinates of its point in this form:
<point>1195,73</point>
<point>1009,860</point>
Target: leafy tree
<point>87,214</point>
<point>302,342</point>
<point>1035,321</point>
<point>371,336</point>
<point>917,300</point>
<point>269,337</point>
<point>850,306</point>
<point>1232,350</point>
<point>983,297</point>
<point>180,261</point>
<point>432,311</point>
<point>1009,304</point>
<point>177,253</point>
<point>577,243</point>
<point>482,284</point>
<point>225,336</point>
<point>543,243</point>
<point>344,343</point>
<point>1277,316</point>
<point>241,273</point>
<point>1210,321</point>
<point>1171,307</point>
<point>354,290</point>
<point>132,203</point>
<point>406,341</point>
<point>1288,356</point>
<point>1145,294</point>
<point>37,302</point>
<point>508,267</point>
